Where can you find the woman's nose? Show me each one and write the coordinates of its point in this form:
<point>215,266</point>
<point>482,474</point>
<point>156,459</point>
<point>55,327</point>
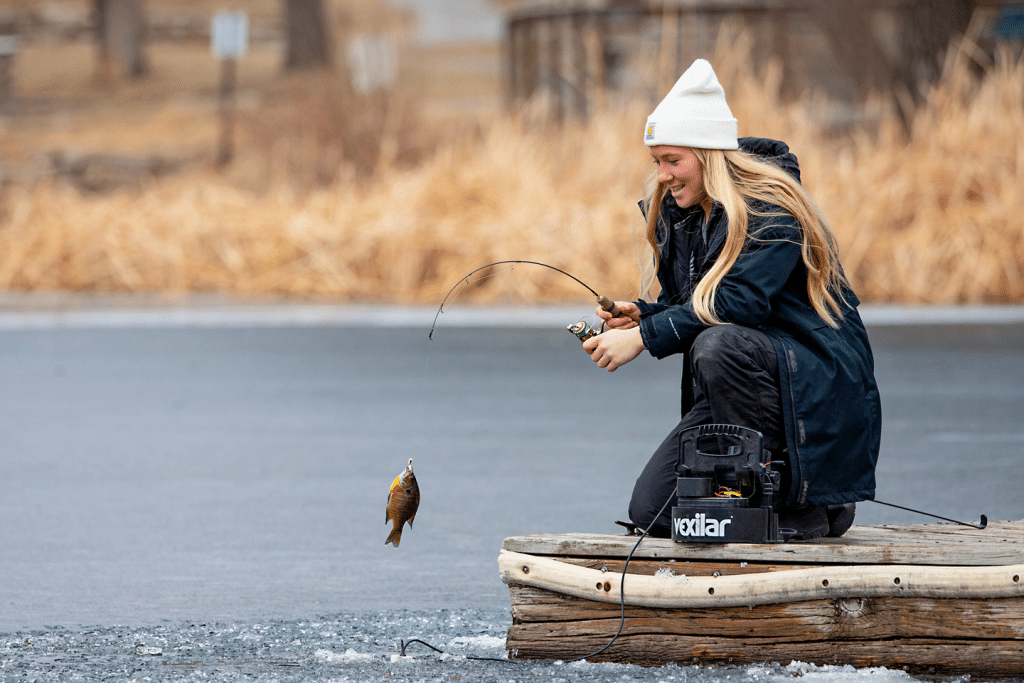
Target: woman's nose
<point>663,175</point>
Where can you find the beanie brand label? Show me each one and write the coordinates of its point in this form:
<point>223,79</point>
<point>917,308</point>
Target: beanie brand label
<point>649,135</point>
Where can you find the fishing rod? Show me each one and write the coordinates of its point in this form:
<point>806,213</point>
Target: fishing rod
<point>603,301</point>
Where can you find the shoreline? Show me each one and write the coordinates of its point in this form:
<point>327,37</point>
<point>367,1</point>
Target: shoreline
<point>48,310</point>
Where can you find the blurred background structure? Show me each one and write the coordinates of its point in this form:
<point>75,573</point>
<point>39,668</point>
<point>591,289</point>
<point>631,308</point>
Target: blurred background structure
<point>376,150</point>
<point>577,51</point>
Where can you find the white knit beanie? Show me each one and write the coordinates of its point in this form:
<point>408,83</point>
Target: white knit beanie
<point>694,113</point>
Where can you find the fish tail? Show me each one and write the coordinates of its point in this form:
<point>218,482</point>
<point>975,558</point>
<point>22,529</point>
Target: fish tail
<point>394,537</point>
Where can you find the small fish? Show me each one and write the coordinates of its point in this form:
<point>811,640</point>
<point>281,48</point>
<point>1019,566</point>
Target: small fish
<point>403,500</point>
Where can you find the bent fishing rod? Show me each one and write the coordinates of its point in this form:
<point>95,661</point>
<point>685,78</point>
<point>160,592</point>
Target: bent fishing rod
<point>603,301</point>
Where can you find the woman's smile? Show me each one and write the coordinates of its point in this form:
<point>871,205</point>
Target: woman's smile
<point>683,177</point>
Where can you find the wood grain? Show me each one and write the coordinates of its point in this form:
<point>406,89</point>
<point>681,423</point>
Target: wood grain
<point>934,544</point>
<point>843,619</point>
<point>917,655</point>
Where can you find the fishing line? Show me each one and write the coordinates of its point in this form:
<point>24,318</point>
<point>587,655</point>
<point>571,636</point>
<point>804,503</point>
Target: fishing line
<point>984,519</point>
<point>464,282</point>
<point>622,611</point>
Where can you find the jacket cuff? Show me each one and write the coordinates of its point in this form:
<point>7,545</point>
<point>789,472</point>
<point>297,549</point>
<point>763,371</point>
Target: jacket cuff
<point>653,332</point>
<point>649,308</point>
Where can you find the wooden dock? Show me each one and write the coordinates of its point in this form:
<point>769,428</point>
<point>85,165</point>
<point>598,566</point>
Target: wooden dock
<point>930,599</point>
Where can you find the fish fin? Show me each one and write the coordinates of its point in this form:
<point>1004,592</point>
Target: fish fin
<point>395,537</point>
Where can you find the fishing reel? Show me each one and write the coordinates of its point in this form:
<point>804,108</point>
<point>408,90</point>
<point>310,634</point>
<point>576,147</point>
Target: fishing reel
<point>583,331</point>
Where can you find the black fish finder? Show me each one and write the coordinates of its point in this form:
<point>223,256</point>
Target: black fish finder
<point>726,489</point>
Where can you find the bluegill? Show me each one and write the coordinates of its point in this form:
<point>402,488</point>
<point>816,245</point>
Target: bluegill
<point>403,501</point>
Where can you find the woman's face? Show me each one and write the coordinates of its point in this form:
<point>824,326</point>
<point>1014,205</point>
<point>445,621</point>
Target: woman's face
<point>681,173</point>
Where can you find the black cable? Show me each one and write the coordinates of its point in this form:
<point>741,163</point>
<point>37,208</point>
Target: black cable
<point>622,613</point>
<point>622,587</point>
<point>405,643</point>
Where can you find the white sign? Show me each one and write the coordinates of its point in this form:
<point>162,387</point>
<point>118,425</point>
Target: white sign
<point>373,62</point>
<point>229,35</point>
<point>8,45</point>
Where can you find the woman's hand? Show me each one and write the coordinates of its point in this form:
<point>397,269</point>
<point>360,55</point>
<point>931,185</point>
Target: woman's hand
<point>630,314</point>
<point>615,348</point>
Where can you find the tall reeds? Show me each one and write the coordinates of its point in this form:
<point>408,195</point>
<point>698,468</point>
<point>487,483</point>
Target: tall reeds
<point>930,215</point>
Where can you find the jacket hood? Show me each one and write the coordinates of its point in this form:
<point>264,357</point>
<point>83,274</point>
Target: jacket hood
<point>774,151</point>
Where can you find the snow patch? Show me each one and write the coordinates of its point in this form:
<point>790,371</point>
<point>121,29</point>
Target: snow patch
<point>812,673</point>
<point>478,641</point>
<point>350,656</point>
<point>666,572</point>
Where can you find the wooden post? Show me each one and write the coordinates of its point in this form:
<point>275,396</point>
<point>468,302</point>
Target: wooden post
<point>680,43</point>
<point>579,58</point>
<point>8,48</point>
<point>554,70</point>
<point>596,48</point>
<point>229,39</point>
<point>529,63</point>
<point>513,68</point>
<point>227,110</point>
<point>781,24</point>
<point>667,53</point>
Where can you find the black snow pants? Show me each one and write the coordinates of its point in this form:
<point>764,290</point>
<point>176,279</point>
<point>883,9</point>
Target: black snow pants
<point>735,381</point>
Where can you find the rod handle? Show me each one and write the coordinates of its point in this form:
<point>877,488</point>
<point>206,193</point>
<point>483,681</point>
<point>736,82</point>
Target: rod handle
<point>609,305</point>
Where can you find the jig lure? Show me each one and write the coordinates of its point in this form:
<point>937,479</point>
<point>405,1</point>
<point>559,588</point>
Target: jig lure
<point>603,301</point>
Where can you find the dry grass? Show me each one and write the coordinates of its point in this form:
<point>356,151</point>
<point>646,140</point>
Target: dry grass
<point>930,217</point>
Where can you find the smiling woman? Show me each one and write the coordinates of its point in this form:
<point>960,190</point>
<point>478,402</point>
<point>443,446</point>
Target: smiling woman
<point>753,294</point>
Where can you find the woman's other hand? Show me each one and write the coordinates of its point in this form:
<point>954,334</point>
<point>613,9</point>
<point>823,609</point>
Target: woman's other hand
<point>615,348</point>
<point>630,313</point>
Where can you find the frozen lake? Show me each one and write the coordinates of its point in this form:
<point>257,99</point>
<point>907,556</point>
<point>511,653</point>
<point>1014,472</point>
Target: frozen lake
<point>162,472</point>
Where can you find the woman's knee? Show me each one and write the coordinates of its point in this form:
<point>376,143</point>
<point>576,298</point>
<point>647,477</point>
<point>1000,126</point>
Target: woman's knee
<point>654,486</point>
<point>727,350</point>
<point>715,349</point>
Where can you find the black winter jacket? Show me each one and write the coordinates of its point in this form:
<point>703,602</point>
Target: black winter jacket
<point>830,399</point>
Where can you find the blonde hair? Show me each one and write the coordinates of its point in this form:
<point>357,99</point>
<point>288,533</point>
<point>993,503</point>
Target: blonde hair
<point>740,183</point>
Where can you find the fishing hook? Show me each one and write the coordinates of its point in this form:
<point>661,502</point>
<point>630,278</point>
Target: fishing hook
<point>605,303</point>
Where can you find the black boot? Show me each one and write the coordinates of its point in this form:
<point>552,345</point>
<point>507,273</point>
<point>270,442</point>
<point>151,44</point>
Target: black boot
<point>840,518</point>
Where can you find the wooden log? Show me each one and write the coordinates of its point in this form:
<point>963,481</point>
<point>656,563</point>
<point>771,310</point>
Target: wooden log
<point>856,581</point>
<point>840,619</point>
<point>918,656</point>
